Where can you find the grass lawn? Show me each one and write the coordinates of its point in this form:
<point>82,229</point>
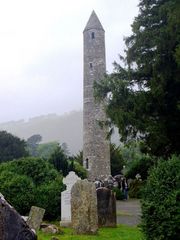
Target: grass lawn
<point>122,232</point>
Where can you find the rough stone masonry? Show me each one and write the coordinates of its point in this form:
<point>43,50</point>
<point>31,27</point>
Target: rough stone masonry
<point>96,150</point>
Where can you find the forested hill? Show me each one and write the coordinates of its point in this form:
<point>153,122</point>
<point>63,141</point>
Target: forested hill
<point>65,128</point>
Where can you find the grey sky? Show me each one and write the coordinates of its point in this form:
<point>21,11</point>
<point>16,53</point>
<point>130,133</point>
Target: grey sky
<point>41,52</point>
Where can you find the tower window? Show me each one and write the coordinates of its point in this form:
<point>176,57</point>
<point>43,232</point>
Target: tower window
<point>87,163</point>
<point>91,66</point>
<point>92,35</point>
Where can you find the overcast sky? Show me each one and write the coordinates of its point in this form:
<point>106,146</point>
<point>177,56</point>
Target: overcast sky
<point>41,52</point>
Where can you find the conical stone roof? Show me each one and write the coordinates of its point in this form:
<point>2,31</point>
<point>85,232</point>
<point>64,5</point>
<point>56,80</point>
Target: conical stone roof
<point>93,22</point>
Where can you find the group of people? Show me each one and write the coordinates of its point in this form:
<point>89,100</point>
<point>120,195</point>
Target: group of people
<point>110,182</point>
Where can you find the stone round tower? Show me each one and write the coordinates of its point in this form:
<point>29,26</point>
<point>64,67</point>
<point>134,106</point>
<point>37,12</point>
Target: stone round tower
<point>96,150</point>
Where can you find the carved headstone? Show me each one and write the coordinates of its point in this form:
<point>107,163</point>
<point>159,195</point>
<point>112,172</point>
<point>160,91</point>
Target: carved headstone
<point>12,225</point>
<point>84,207</point>
<point>35,217</point>
<point>69,181</point>
<point>106,202</point>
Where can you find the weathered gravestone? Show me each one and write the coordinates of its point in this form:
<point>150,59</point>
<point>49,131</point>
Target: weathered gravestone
<point>84,207</point>
<point>106,205</point>
<point>12,225</point>
<point>35,217</point>
<point>69,181</point>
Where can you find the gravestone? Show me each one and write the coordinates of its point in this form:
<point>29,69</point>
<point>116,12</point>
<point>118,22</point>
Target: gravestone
<point>35,217</point>
<point>69,181</point>
<point>84,207</point>
<point>12,225</point>
<point>106,205</point>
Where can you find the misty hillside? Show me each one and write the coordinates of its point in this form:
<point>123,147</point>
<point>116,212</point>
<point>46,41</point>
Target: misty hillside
<point>66,128</point>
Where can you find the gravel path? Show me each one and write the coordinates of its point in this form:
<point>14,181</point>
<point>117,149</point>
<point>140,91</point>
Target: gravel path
<point>128,212</point>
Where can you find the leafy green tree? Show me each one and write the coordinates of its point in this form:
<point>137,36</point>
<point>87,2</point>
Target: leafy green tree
<point>143,94</point>
<point>59,160</point>
<point>11,147</point>
<point>79,157</point>
<point>32,181</point>
<point>117,161</point>
<point>32,144</point>
<point>78,169</point>
<point>17,189</point>
<point>140,166</point>
<point>44,150</point>
<point>64,147</point>
<point>160,203</point>
<point>76,165</point>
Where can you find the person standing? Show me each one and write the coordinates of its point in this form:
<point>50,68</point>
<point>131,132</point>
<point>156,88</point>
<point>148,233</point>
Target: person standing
<point>124,187</point>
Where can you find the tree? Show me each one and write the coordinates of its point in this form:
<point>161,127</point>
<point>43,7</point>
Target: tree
<point>44,150</point>
<point>64,147</point>
<point>143,94</point>
<point>160,201</point>
<point>117,161</point>
<point>32,181</point>
<point>11,147</point>
<point>32,144</point>
<point>59,160</point>
<point>79,157</point>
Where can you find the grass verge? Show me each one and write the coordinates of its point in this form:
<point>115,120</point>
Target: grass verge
<point>122,232</point>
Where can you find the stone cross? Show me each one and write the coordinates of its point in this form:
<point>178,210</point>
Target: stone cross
<point>69,181</point>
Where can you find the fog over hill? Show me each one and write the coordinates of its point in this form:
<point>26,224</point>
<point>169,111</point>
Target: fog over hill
<point>66,128</point>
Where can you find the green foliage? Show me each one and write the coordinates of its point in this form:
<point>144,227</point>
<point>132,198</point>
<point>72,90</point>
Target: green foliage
<point>140,166</point>
<point>45,150</point>
<point>79,158</point>
<point>11,147</point>
<point>79,170</point>
<point>160,204</point>
<point>32,144</point>
<point>59,160</point>
<point>31,181</point>
<point>116,160</point>
<point>135,188</point>
<point>143,94</point>
<point>17,189</point>
<point>119,193</point>
<point>131,151</point>
<point>48,196</point>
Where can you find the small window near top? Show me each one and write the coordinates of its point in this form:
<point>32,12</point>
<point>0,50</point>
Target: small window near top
<point>92,35</point>
<point>90,65</point>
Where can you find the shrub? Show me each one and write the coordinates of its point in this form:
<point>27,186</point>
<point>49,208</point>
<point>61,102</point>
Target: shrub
<point>79,170</point>
<point>119,194</point>
<point>48,196</point>
<point>18,190</point>
<point>135,187</point>
<point>140,166</point>
<point>31,181</point>
<point>160,204</point>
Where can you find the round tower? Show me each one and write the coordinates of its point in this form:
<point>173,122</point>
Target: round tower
<point>96,150</point>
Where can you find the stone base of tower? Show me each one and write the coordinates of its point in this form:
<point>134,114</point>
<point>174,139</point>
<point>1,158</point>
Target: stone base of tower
<point>92,177</point>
